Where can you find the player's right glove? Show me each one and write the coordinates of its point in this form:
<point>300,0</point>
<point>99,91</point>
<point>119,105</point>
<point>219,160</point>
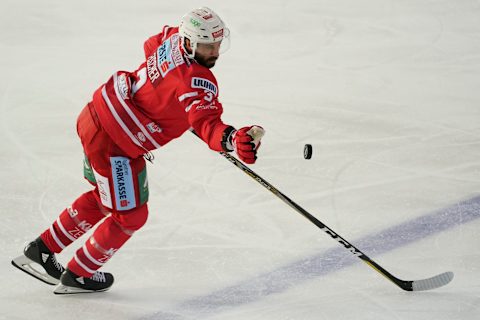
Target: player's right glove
<point>244,141</point>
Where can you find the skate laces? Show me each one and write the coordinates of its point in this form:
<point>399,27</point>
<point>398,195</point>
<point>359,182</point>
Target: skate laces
<point>98,276</point>
<point>57,264</point>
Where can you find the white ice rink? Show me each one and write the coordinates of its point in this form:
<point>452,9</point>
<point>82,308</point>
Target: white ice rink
<point>386,91</point>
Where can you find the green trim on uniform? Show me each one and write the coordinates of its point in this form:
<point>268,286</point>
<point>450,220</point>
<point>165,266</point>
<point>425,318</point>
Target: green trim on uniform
<point>143,186</point>
<point>87,171</point>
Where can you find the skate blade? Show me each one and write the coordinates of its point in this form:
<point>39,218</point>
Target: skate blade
<point>34,269</point>
<point>62,289</point>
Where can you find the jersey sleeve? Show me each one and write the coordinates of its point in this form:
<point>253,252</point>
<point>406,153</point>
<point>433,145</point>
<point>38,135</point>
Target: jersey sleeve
<point>198,95</point>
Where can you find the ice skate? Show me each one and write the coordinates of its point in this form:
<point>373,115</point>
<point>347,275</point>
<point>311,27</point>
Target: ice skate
<point>39,262</point>
<point>71,283</point>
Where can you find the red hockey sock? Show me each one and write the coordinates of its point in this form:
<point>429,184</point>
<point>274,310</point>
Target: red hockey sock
<point>98,249</point>
<point>73,222</point>
<point>107,238</point>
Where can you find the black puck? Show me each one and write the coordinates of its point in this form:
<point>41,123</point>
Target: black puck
<point>307,151</point>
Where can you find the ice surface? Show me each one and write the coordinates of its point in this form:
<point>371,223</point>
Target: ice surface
<point>387,93</point>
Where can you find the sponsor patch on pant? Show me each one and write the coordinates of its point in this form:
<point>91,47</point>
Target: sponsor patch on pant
<point>103,189</point>
<point>123,186</point>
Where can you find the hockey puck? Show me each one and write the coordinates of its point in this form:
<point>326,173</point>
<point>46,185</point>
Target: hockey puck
<point>307,151</point>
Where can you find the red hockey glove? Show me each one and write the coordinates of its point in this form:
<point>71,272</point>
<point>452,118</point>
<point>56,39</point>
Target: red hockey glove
<point>246,142</point>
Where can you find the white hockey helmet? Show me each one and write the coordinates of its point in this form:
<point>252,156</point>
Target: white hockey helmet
<point>203,25</point>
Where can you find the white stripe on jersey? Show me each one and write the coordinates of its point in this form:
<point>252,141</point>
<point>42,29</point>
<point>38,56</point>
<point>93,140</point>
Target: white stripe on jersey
<point>191,105</point>
<point>187,95</point>
<point>119,120</point>
<point>131,114</point>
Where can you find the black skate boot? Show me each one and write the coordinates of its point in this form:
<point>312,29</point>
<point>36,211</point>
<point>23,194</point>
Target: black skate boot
<point>39,262</point>
<point>71,283</point>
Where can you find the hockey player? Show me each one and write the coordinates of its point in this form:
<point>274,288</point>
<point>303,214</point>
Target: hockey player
<point>133,113</point>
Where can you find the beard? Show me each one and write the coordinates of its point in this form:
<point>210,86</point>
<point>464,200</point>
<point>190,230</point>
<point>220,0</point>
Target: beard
<point>206,62</point>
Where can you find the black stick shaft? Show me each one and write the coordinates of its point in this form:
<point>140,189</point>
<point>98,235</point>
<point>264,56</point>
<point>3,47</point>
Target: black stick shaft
<point>405,285</point>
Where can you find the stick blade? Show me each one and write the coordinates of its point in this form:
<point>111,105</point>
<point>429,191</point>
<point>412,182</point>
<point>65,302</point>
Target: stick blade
<point>432,283</point>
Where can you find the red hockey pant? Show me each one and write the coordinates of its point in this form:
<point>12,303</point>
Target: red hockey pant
<point>119,199</point>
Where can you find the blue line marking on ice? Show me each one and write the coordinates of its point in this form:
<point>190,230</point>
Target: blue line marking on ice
<point>327,262</point>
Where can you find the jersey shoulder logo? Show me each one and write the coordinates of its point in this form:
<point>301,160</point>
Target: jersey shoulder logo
<point>169,55</point>
<point>202,83</point>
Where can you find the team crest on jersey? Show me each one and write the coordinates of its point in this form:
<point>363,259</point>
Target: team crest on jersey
<point>202,83</point>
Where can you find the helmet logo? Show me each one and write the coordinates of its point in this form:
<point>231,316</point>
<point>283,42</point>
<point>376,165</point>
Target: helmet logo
<point>195,22</point>
<point>217,34</point>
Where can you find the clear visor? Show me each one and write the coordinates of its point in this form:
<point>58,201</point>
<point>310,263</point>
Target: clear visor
<point>212,46</point>
<point>225,45</point>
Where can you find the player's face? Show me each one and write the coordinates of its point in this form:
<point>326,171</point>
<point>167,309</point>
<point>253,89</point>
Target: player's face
<point>207,53</point>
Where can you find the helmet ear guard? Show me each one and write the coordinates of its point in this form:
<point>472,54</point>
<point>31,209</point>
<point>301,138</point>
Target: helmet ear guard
<point>203,25</point>
<point>193,47</point>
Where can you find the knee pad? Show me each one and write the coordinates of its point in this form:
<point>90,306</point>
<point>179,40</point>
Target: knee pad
<point>131,220</point>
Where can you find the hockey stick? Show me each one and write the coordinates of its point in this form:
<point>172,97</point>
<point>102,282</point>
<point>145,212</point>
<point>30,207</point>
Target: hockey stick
<point>407,285</point>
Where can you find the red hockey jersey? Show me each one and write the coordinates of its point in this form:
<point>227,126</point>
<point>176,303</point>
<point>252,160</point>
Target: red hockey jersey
<point>167,95</point>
